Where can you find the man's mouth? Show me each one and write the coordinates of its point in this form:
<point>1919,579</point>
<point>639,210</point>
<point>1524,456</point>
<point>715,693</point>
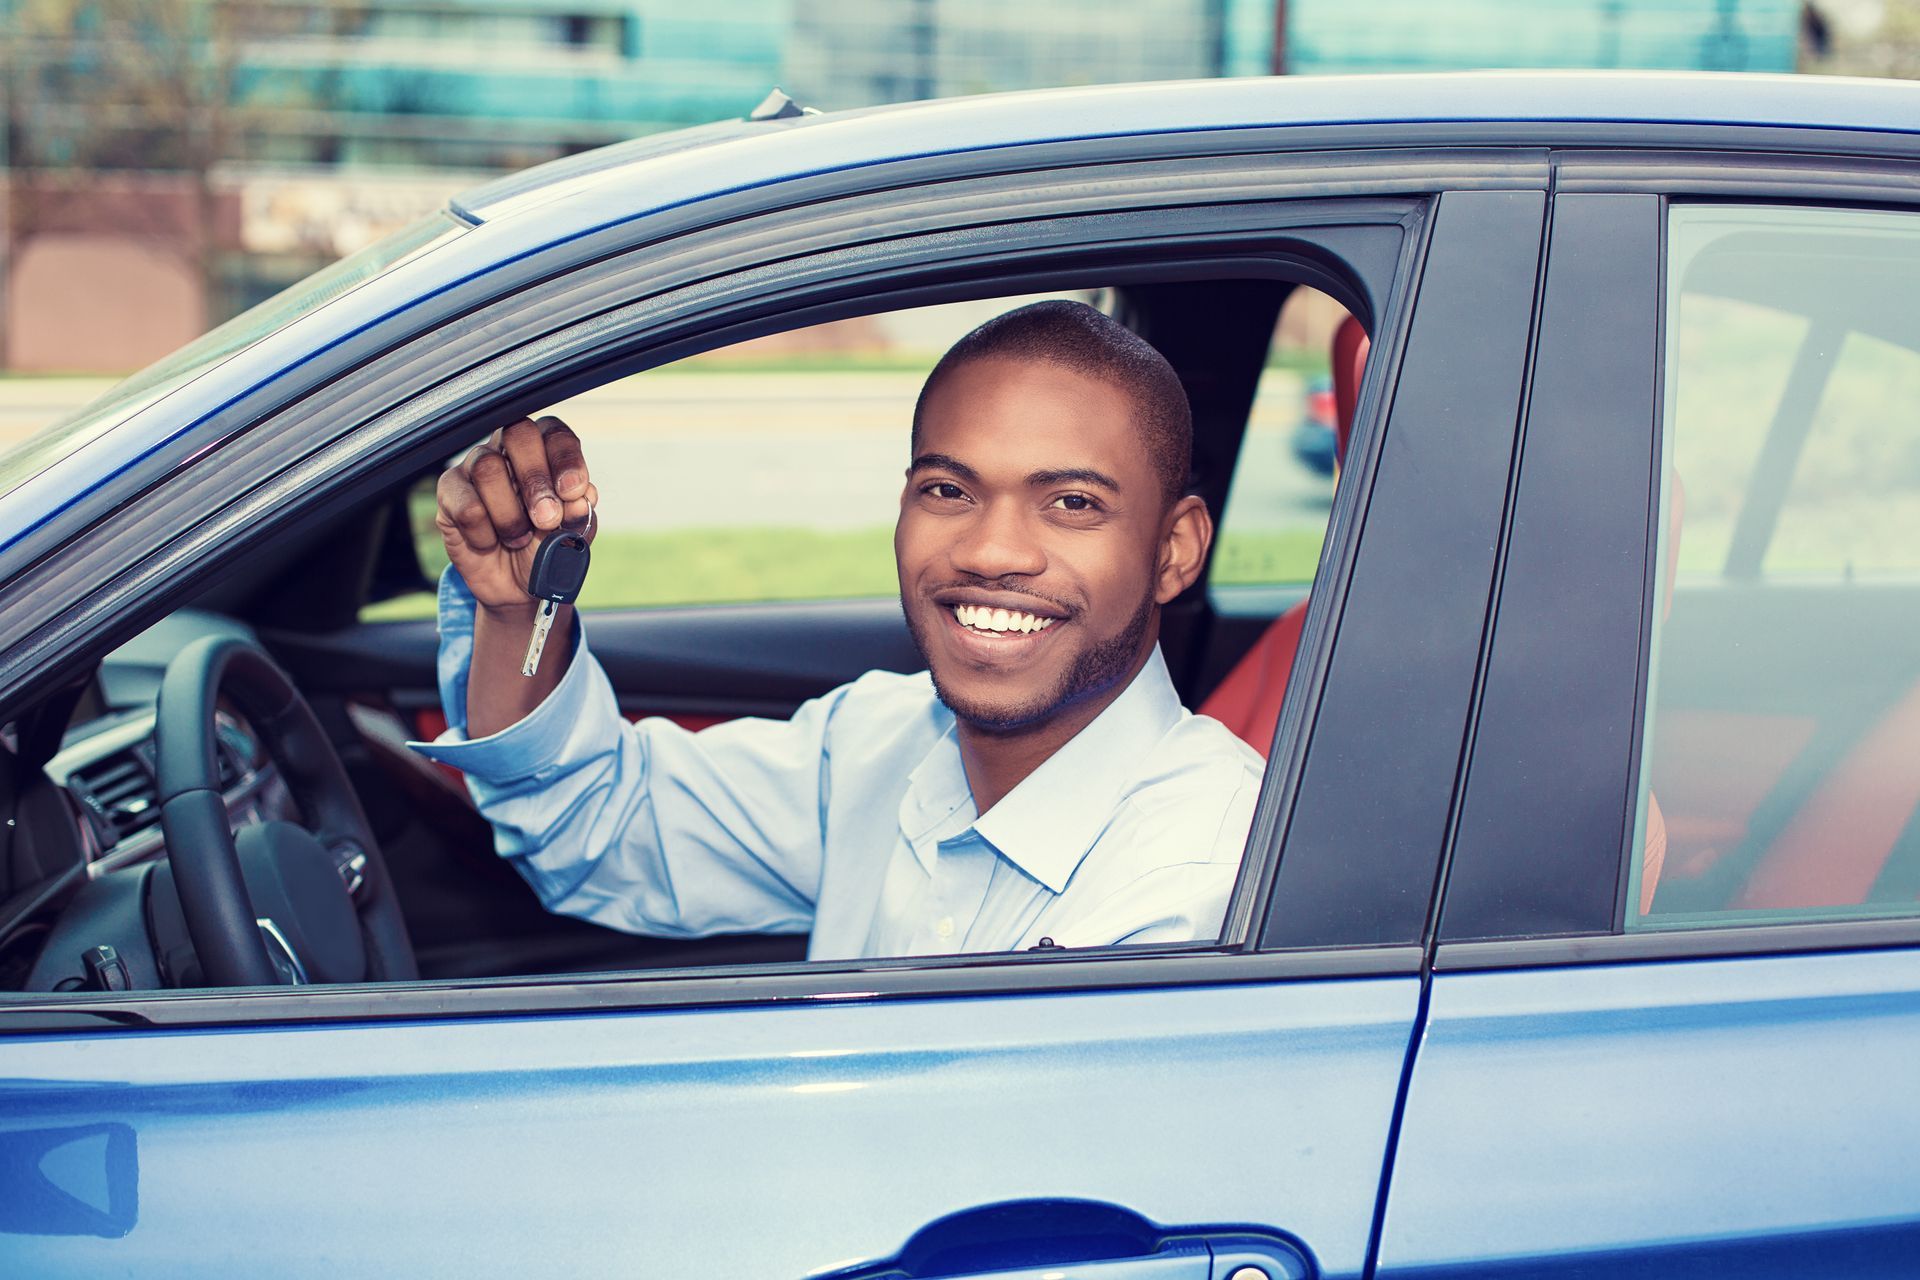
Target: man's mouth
<point>981,618</point>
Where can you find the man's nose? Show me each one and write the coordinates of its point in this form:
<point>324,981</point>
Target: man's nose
<point>999,541</point>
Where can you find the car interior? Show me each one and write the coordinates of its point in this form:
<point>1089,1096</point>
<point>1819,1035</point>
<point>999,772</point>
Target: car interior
<point>335,820</point>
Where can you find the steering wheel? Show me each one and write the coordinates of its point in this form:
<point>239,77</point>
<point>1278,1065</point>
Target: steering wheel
<point>280,903</point>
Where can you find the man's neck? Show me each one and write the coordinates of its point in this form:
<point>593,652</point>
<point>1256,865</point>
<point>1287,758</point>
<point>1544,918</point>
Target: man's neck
<point>998,761</point>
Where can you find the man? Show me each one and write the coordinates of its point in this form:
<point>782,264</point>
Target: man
<point>1040,781</point>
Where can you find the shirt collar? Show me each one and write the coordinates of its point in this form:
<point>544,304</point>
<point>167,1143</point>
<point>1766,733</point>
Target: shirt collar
<point>1047,825</point>
<point>936,789</point>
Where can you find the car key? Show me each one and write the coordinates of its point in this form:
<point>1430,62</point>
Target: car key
<point>559,569</point>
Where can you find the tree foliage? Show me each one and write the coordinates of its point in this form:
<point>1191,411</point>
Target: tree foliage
<point>137,84</point>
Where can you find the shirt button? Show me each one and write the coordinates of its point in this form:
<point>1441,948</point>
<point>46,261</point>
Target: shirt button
<point>945,927</point>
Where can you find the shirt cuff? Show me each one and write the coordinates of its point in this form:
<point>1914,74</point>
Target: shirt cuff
<point>531,743</point>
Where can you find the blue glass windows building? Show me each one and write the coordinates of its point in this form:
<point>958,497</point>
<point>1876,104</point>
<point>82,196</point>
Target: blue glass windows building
<point>492,82</point>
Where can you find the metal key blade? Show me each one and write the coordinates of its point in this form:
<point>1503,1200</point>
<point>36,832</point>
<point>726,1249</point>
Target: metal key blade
<point>542,623</point>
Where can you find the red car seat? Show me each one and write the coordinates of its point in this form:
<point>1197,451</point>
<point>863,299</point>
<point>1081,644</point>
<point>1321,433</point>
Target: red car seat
<point>1248,700</point>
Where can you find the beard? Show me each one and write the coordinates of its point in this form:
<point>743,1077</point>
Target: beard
<point>1094,671</point>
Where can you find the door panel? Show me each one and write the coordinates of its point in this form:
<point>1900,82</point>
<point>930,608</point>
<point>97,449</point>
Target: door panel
<point>1671,1117</point>
<point>1752,1117</point>
<point>822,1136</point>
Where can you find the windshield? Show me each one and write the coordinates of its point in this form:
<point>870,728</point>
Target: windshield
<point>59,439</point>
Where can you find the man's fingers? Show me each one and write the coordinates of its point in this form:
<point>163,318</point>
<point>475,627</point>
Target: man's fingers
<point>580,513</point>
<point>566,460</point>
<point>527,477</point>
<point>527,452</point>
<point>493,481</point>
<point>461,517</point>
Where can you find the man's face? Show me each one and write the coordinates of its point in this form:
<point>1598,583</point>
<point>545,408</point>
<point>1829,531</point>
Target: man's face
<point>1030,541</point>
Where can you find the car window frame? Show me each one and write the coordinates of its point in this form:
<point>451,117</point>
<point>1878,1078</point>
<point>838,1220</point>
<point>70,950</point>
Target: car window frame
<point>1500,904</point>
<point>397,440</point>
<point>1423,568</point>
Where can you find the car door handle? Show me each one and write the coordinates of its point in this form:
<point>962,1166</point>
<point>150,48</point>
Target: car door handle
<point>1082,1240</point>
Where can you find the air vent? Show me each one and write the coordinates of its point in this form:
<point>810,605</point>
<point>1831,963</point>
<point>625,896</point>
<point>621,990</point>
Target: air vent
<point>121,792</point>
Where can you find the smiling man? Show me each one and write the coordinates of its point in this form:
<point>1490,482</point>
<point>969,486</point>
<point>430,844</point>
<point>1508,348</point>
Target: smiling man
<point>1039,781</point>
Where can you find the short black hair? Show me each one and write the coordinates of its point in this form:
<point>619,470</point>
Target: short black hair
<point>1077,337</point>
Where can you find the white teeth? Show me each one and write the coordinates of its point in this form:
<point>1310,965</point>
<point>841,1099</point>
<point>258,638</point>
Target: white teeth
<point>981,618</point>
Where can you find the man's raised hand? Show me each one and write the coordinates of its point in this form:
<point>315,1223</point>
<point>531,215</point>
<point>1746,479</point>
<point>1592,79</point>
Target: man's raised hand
<point>526,480</point>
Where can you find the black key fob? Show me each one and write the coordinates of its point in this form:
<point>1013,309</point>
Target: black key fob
<point>559,567</point>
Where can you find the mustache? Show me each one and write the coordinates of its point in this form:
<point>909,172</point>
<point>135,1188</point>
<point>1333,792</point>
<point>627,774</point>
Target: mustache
<point>1011,586</point>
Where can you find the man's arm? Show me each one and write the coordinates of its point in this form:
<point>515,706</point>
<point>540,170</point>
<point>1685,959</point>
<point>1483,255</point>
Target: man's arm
<point>641,827</point>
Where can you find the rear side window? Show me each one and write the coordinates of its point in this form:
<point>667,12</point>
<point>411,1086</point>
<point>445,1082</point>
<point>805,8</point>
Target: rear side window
<point>1780,779</point>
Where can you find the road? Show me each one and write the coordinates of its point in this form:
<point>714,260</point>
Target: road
<point>817,450</point>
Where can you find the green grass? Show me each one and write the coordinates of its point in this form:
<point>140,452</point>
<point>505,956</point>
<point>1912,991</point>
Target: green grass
<point>1309,364</point>
<point>730,566</point>
<point>1263,558</point>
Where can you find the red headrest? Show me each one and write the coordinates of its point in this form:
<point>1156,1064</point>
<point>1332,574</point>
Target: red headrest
<point>1349,363</point>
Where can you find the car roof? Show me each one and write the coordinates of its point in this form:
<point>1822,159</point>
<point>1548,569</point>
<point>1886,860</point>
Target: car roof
<point>653,173</point>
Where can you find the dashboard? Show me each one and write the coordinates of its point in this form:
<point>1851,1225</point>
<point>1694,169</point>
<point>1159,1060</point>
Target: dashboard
<point>96,814</point>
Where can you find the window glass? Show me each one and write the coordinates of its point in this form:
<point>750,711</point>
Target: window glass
<point>1735,356</point>
<point>1276,513</point>
<point>61,438</point>
<point>1781,768</point>
<point>1853,505</point>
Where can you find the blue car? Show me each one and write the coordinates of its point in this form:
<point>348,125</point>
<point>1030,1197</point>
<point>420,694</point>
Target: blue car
<point>1313,437</point>
<point>1578,933</point>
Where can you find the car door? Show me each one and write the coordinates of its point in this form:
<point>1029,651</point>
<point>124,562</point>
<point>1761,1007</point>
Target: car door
<point>1183,1111</point>
<point>1673,1015</point>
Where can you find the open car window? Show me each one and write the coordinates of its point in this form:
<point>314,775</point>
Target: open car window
<point>771,472</point>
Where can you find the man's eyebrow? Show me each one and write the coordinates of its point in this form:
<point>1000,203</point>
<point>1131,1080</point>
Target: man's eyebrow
<point>943,462</point>
<point>1072,475</point>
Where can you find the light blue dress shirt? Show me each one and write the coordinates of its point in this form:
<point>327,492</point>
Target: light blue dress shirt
<point>853,820</point>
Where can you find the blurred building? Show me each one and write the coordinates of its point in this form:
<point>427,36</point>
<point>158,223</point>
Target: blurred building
<point>1343,36</point>
<point>491,84</point>
<point>851,53</point>
<point>297,132</point>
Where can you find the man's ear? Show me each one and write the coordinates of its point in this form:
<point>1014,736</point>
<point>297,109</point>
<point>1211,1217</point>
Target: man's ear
<point>1186,535</point>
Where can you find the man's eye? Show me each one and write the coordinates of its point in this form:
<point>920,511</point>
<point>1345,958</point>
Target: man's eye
<point>1076,502</point>
<point>942,489</point>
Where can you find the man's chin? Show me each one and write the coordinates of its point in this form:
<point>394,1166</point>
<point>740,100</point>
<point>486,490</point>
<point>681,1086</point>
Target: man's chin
<point>990,702</point>
<point>1002,716</point>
